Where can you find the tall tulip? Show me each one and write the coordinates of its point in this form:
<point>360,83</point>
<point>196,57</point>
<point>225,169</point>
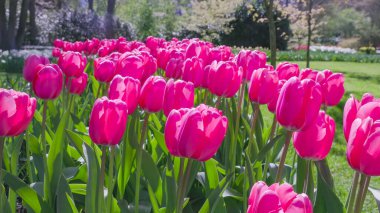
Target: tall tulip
<point>72,63</point>
<point>287,70</point>
<point>178,94</point>
<point>263,86</point>
<point>30,65</point>
<point>152,94</point>
<point>104,69</point>
<point>48,81</point>
<point>126,89</point>
<point>193,71</point>
<point>77,84</point>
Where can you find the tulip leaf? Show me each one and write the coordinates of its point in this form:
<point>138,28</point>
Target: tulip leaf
<point>3,201</point>
<point>212,200</point>
<point>170,185</point>
<point>211,174</point>
<point>92,174</point>
<point>376,194</point>
<point>125,168</point>
<point>152,174</point>
<point>160,138</point>
<point>264,151</point>
<point>325,172</point>
<point>65,197</point>
<point>27,194</point>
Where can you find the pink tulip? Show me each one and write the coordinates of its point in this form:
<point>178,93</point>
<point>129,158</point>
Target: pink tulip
<point>126,89</point>
<point>108,120</point>
<point>77,84</point>
<point>224,78</point>
<point>263,86</point>
<point>163,56</point>
<point>332,86</point>
<point>16,112</point>
<point>48,81</point>
<point>273,103</point>
<point>131,65</point>
<point>287,70</point>
<point>152,94</point>
<point>104,69</point>
<point>178,94</point>
<point>298,103</point>
<point>193,71</point>
<point>195,133</point>
<point>175,65</point>
<point>56,53</point>
<point>30,65</point>
<point>220,53</point>
<point>250,61</point>
<point>314,143</point>
<point>72,63</point>
<point>308,74</point>
<point>277,198</point>
<point>150,66</point>
<point>58,43</point>
<point>198,49</point>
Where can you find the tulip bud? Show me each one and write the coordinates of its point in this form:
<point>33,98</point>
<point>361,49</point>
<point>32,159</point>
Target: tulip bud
<point>108,120</point>
<point>193,71</point>
<point>273,103</point>
<point>48,81</point>
<point>332,87</point>
<point>152,94</point>
<point>77,85</point>
<point>131,65</point>
<point>104,69</point>
<point>72,63</point>
<point>195,133</point>
<point>30,65</point>
<point>263,86</point>
<point>56,53</point>
<point>197,49</point>
<point>126,89</point>
<point>250,61</point>
<point>298,103</point>
<point>315,142</point>
<point>178,94</point>
<point>224,78</point>
<point>287,70</point>
<point>16,112</point>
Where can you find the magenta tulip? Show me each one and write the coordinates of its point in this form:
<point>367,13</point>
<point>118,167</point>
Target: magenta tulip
<point>298,103</point>
<point>263,86</point>
<point>332,86</point>
<point>250,61</point>
<point>224,78</point>
<point>104,69</point>
<point>178,94</point>
<point>48,81</point>
<point>175,65</point>
<point>193,71</point>
<point>126,89</point>
<point>314,143</point>
<point>131,65</point>
<point>195,133</point>
<point>16,112</point>
<point>108,120</point>
<point>77,84</point>
<point>72,63</point>
<point>273,103</point>
<point>198,49</point>
<point>287,70</point>
<point>30,65</point>
<point>277,198</point>
<point>308,74</point>
<point>152,94</point>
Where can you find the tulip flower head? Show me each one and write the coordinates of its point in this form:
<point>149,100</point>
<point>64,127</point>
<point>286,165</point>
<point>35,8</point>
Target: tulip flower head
<point>126,89</point>
<point>16,112</point>
<point>277,198</point>
<point>30,65</point>
<point>263,86</point>
<point>193,71</point>
<point>104,69</point>
<point>195,133</point>
<point>48,81</point>
<point>152,94</point>
<point>272,104</point>
<point>72,63</point>
<point>108,120</point>
<point>77,85</point>
<point>250,61</point>
<point>178,94</point>
<point>287,70</point>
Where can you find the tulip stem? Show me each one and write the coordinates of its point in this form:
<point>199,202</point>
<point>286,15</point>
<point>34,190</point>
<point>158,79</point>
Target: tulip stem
<point>255,112</point>
<point>98,92</point>
<point>180,183</point>
<point>138,161</point>
<point>283,156</point>
<point>205,96</point>
<point>111,179</point>
<point>218,102</point>
<point>364,194</point>
<point>101,180</point>
<point>2,141</point>
<point>352,197</point>
<point>271,136</point>
<point>184,185</point>
<point>306,182</point>
<point>361,192</point>
<point>47,192</point>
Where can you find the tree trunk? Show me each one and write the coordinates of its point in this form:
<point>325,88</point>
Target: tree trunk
<point>12,24</point>
<point>22,23</point>
<point>310,6</point>
<point>272,32</point>
<point>109,21</point>
<point>91,5</point>
<point>32,22</point>
<point>59,4</point>
<point>3,26</point>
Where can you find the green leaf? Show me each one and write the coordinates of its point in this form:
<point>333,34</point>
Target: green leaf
<point>212,200</point>
<point>264,151</point>
<point>212,174</point>
<point>325,172</point>
<point>65,197</point>
<point>27,194</point>
<point>125,168</point>
<point>92,174</point>
<point>159,136</point>
<point>152,174</point>
<point>71,203</point>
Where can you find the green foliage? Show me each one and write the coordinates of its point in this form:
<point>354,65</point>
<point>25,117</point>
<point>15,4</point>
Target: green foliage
<point>146,22</point>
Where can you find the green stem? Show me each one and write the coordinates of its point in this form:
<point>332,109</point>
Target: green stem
<point>110,181</point>
<point>184,186</point>
<point>138,162</point>
<point>205,96</point>
<point>283,156</point>
<point>306,182</point>
<point>271,136</point>
<point>2,141</point>
<point>255,113</point>
<point>365,190</point>
<point>28,165</point>
<point>218,102</point>
<point>180,183</point>
<point>360,192</point>
<point>352,197</point>
<point>47,191</point>
<point>101,180</point>
<point>98,92</point>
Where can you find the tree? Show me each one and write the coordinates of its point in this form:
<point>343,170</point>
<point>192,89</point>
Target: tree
<point>146,22</point>
<point>109,18</point>
<point>272,32</point>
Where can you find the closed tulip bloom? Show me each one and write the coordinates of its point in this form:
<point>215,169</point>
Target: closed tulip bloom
<point>108,120</point>
<point>250,61</point>
<point>308,74</point>
<point>314,143</point>
<point>198,49</point>
<point>195,133</point>
<point>162,57</point>
<point>263,86</point>
<point>273,103</point>
<point>130,64</point>
<point>152,94</point>
<point>178,94</point>
<point>224,78</point>
<point>175,65</point>
<point>48,81</point>
<point>277,198</point>
<point>126,89</point>
<point>104,69</point>
<point>56,52</point>
<point>287,70</point>
<point>298,103</point>
<point>150,66</point>
<point>193,71</point>
<point>16,112</point>
<point>332,86</point>
<point>72,63</point>
<point>30,65</point>
<point>77,84</point>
